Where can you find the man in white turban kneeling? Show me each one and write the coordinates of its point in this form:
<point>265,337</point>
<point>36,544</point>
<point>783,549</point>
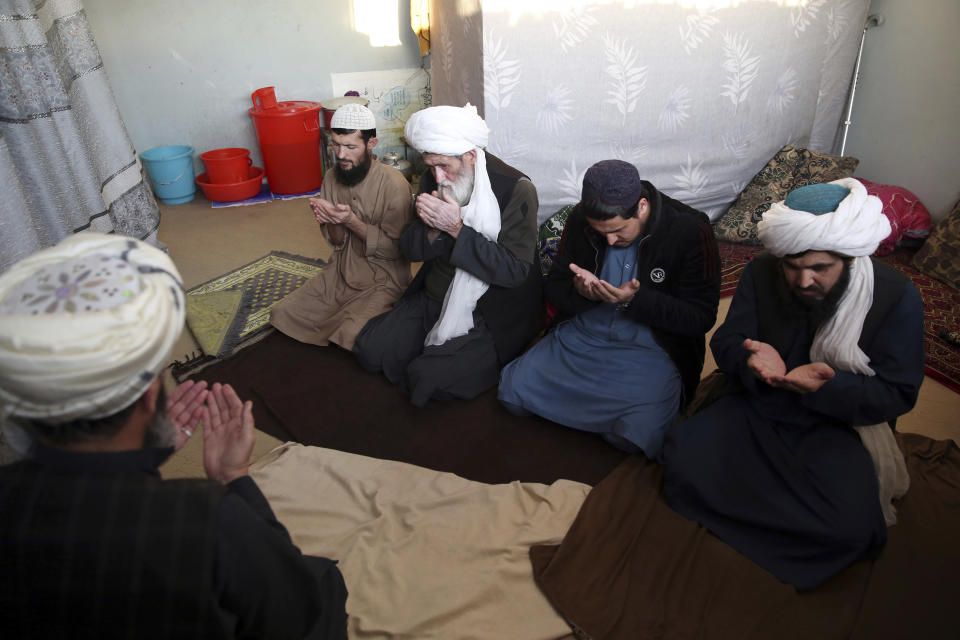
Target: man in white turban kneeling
<point>797,465</point>
<point>94,543</point>
<point>476,301</point>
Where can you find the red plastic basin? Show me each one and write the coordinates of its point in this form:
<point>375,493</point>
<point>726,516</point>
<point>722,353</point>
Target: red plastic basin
<point>235,191</point>
<point>226,166</point>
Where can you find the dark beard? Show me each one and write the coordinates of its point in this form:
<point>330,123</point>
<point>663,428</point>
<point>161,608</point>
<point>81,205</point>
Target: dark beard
<point>161,432</point>
<point>814,312</point>
<point>353,177</point>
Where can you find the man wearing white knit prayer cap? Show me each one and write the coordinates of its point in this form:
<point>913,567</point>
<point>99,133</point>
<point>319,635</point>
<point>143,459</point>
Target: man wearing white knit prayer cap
<point>362,207</point>
<point>476,302</point>
<point>94,543</point>
<point>795,465</point>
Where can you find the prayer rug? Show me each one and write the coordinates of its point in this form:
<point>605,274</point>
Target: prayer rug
<point>233,310</point>
<point>941,306</point>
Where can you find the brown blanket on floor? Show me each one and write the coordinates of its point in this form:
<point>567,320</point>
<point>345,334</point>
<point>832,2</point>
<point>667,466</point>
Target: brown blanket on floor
<point>630,567</point>
<point>320,396</point>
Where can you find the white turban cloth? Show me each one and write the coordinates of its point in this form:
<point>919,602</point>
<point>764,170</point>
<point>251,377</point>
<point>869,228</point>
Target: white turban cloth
<point>856,228</point>
<point>454,131</point>
<point>86,326</point>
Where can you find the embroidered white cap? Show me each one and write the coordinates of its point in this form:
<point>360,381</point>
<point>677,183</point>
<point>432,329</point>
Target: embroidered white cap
<point>353,117</point>
<point>86,326</point>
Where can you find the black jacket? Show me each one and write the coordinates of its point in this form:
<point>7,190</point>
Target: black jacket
<point>97,545</point>
<point>678,267</point>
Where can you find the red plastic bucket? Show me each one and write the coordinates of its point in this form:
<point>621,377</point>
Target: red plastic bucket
<point>289,137</point>
<point>227,166</point>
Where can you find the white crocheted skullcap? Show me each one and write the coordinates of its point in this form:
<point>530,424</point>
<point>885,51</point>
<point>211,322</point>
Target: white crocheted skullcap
<point>353,117</point>
<point>86,326</point>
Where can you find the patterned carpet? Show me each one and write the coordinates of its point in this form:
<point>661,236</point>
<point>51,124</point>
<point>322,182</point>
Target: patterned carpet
<point>733,258</point>
<point>941,306</point>
<point>233,310</point>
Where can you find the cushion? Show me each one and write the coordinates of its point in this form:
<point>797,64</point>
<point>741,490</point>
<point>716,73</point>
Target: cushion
<point>790,168</point>
<point>548,238</point>
<point>907,215</point>
<point>939,257</point>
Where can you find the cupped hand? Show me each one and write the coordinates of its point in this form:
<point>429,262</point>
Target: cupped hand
<point>339,213</point>
<point>618,295</point>
<point>764,361</point>
<point>228,435</point>
<point>185,408</point>
<point>585,282</point>
<point>442,213</point>
<point>326,212</point>
<point>318,206</point>
<point>806,378</point>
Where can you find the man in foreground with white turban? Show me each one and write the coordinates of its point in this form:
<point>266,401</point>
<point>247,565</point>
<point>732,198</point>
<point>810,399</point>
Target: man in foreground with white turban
<point>93,542</point>
<point>475,303</point>
<point>362,208</point>
<point>796,466</point>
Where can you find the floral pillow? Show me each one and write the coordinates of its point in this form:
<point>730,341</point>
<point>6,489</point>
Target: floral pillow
<point>789,169</point>
<point>939,257</point>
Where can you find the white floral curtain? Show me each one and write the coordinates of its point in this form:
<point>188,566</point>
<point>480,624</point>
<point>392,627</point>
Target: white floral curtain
<point>699,99</point>
<point>66,162</point>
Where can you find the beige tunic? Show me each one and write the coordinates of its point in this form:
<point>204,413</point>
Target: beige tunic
<point>366,275</point>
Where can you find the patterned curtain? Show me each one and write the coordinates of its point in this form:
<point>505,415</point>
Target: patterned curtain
<point>699,96</point>
<point>66,161</point>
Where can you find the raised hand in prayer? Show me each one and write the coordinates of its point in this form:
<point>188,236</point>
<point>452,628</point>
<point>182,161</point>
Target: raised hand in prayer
<point>806,378</point>
<point>440,211</point>
<point>185,408</point>
<point>593,288</point>
<point>326,212</point>
<point>767,365</point>
<point>317,205</point>
<point>619,295</point>
<point>764,361</point>
<point>585,282</point>
<point>227,434</point>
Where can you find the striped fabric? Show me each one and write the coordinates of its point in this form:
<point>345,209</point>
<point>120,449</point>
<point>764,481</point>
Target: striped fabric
<point>104,554</point>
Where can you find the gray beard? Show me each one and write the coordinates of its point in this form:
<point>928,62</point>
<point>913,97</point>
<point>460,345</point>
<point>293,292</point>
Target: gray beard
<point>461,189</point>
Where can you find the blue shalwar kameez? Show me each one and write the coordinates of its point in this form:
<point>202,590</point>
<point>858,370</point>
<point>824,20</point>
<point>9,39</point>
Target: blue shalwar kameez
<point>600,371</point>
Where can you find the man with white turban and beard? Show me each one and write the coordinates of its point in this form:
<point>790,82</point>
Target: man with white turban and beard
<point>93,543</point>
<point>476,302</point>
<point>796,465</point>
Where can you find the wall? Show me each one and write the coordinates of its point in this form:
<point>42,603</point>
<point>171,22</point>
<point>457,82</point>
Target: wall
<point>905,119</point>
<point>183,70</point>
<point>699,99</point>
